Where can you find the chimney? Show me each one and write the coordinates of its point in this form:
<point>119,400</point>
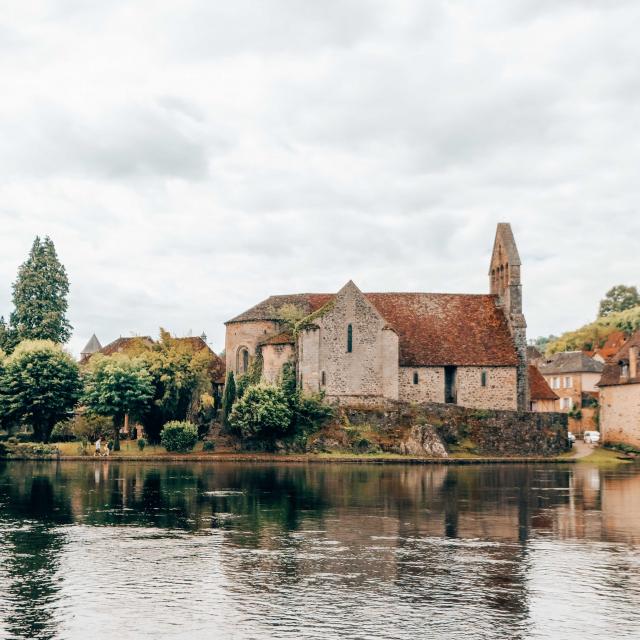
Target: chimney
<point>633,362</point>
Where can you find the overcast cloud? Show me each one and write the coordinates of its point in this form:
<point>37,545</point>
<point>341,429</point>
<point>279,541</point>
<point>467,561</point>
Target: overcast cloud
<point>190,158</point>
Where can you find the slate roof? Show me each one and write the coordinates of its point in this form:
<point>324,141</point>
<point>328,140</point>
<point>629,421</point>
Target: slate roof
<point>539,389</point>
<point>613,369</point>
<point>434,329</point>
<point>92,346</point>
<point>570,362</point>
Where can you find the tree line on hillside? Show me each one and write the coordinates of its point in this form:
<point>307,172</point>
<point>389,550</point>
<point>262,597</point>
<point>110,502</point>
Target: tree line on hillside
<point>619,310</point>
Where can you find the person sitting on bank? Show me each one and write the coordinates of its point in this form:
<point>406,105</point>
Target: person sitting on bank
<point>106,449</point>
<point>98,442</point>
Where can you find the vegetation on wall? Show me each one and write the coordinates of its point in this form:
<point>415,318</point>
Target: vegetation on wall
<point>228,398</point>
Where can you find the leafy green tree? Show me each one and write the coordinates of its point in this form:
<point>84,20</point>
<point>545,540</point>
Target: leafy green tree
<point>4,338</point>
<point>39,386</point>
<point>40,297</point>
<point>263,413</point>
<point>117,386</point>
<point>619,298</point>
<point>182,381</point>
<point>228,398</point>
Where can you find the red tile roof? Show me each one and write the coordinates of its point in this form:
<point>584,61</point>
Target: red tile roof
<point>281,338</point>
<point>613,344</point>
<point>612,373</point>
<point>433,328</point>
<point>539,389</point>
<point>122,345</point>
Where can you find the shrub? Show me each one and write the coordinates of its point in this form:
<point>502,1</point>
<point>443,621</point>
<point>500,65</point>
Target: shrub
<point>142,443</point>
<point>262,413</point>
<point>208,445</point>
<point>22,436</point>
<point>179,436</point>
<point>91,426</point>
<point>63,431</point>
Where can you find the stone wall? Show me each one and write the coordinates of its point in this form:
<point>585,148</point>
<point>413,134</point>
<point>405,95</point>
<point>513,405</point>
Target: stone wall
<point>246,334</point>
<point>620,414</point>
<point>493,433</point>
<point>500,391</point>
<point>274,357</point>
<point>430,387</point>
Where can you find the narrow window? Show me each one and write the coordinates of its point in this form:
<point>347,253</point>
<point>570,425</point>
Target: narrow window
<point>483,378</point>
<point>349,338</point>
<point>415,377</point>
<point>567,382</point>
<point>324,378</point>
<point>245,361</point>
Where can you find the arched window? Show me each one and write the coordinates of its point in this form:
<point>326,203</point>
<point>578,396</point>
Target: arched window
<point>415,377</point>
<point>242,360</point>
<point>349,338</point>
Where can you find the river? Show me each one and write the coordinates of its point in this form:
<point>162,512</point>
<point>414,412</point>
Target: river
<point>242,551</point>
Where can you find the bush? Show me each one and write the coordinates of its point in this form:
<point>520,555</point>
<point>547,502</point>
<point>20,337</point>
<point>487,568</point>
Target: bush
<point>142,443</point>
<point>63,431</point>
<point>262,413</point>
<point>22,436</point>
<point>179,436</point>
<point>208,445</point>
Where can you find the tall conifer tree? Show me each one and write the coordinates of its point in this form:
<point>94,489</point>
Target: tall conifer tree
<point>40,297</point>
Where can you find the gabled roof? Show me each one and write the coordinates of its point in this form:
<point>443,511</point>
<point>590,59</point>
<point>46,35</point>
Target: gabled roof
<point>612,373</point>
<point>122,345</point>
<point>505,240</point>
<point>433,328</point>
<point>92,346</point>
<point>570,362</point>
<point>539,389</point>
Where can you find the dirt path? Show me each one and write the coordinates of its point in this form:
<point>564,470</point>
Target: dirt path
<point>581,449</point>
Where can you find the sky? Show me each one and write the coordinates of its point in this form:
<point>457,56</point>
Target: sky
<point>190,158</point>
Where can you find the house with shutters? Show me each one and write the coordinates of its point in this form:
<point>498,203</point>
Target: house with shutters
<point>363,348</point>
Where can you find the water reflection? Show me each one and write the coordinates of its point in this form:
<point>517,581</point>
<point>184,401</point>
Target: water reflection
<point>308,551</point>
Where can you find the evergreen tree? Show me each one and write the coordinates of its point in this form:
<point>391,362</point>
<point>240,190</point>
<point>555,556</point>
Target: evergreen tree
<point>40,297</point>
<point>3,333</point>
<point>39,386</point>
<point>228,398</point>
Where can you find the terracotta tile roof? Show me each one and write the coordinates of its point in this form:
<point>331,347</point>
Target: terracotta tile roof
<point>613,344</point>
<point>443,328</point>
<point>122,345</point>
<point>539,389</point>
<point>612,373</point>
<point>570,362</point>
<point>269,309</point>
<point>281,338</point>
<point>433,328</point>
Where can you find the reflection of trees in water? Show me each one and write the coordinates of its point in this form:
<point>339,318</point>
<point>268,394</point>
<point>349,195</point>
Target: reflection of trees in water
<point>32,548</point>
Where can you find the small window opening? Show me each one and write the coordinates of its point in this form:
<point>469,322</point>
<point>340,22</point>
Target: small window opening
<point>349,338</point>
<point>324,378</point>
<point>483,378</point>
<point>415,377</point>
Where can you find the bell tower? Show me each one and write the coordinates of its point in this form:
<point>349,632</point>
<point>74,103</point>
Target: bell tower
<point>505,284</point>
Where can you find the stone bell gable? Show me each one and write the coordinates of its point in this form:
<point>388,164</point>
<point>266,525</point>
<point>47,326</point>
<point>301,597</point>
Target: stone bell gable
<point>359,348</point>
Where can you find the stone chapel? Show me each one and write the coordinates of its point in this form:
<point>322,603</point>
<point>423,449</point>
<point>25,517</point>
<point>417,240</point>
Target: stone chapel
<point>363,348</point>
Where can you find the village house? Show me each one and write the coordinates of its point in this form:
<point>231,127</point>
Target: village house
<point>611,346</point>
<point>574,377</point>
<point>542,398</point>
<point>620,395</point>
<point>361,348</point>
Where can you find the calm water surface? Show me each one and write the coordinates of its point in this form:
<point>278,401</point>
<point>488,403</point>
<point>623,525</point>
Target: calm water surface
<point>109,550</point>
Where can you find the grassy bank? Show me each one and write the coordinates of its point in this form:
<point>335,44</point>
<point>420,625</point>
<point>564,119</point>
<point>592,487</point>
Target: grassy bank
<point>602,456</point>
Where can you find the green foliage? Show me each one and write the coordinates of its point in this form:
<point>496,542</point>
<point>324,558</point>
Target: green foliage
<point>619,298</point>
<point>290,316</point>
<point>142,443</point>
<point>4,338</point>
<point>250,378</point>
<point>208,445</point>
<point>179,436</point>
<point>117,386</point>
<point>181,379</point>
<point>90,426</point>
<point>39,386</point>
<point>593,335</point>
<point>228,398</point>
<point>263,413</point>
<point>40,298</point>
<point>25,450</point>
<point>63,431</point>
